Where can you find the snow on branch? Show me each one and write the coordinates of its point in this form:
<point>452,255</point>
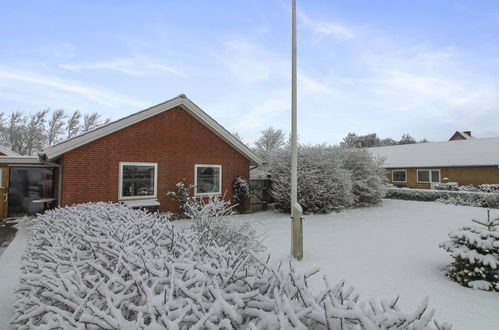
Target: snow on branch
<point>106,266</point>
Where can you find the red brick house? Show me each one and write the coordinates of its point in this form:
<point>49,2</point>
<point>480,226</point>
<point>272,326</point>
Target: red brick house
<point>138,159</point>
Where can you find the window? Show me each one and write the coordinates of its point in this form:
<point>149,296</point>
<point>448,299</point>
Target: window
<point>427,176</point>
<point>208,179</point>
<point>399,176</point>
<point>138,180</point>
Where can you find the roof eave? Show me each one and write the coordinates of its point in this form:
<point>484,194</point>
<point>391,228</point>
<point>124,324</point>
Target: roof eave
<point>57,150</point>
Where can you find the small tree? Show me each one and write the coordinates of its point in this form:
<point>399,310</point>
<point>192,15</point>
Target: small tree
<point>476,255</point>
<point>241,193</point>
<point>182,196</point>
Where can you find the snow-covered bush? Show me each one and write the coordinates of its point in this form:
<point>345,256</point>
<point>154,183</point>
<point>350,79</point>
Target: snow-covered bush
<point>466,198</point>
<point>475,250</point>
<point>368,177</point>
<point>329,178</point>
<point>489,188</point>
<point>213,224</point>
<point>323,185</point>
<point>182,196</point>
<point>106,266</point>
<point>453,186</point>
<point>241,193</point>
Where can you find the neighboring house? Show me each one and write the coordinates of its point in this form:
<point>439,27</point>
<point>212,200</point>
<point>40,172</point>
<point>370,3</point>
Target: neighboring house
<point>135,160</point>
<point>463,159</point>
<point>461,135</point>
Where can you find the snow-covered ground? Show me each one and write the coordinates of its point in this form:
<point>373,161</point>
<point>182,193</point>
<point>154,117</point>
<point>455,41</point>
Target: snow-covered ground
<point>389,250</point>
<point>382,251</point>
<point>10,270</point>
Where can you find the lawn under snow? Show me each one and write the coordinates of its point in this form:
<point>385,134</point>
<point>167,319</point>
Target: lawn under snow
<point>388,250</point>
<point>382,251</point>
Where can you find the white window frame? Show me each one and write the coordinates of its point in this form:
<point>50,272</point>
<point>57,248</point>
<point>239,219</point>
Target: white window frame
<point>120,181</point>
<point>429,170</point>
<point>196,180</point>
<point>405,172</point>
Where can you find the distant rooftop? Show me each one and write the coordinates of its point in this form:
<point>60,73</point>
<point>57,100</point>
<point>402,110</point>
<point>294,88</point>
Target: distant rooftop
<point>466,152</point>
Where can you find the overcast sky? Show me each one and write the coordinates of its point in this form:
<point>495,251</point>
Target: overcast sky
<point>426,68</point>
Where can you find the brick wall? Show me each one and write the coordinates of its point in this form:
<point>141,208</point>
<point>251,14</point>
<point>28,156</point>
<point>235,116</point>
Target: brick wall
<point>463,175</point>
<point>173,139</point>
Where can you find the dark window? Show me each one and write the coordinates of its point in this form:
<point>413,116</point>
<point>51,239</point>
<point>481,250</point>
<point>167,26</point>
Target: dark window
<point>435,176</point>
<point>398,176</point>
<point>138,180</point>
<point>27,187</point>
<point>208,179</point>
<point>423,176</point>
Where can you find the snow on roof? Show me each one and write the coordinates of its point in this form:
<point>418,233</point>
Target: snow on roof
<point>19,160</point>
<point>7,152</point>
<point>472,152</point>
<point>463,134</point>
<point>182,101</point>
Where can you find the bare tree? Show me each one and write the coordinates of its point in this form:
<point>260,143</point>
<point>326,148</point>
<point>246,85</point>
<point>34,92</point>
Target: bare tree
<point>270,139</point>
<point>407,139</point>
<point>14,131</point>
<point>34,132</point>
<point>90,121</point>
<point>73,124</point>
<point>55,126</point>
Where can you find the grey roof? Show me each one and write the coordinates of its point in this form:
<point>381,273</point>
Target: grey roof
<point>471,152</point>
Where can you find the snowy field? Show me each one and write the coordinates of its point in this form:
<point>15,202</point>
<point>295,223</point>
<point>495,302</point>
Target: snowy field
<point>382,251</point>
<point>388,250</point>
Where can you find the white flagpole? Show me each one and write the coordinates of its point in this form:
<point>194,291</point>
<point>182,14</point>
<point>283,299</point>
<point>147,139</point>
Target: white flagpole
<point>296,210</point>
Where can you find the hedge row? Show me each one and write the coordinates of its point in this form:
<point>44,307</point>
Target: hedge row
<point>454,186</point>
<point>467,198</point>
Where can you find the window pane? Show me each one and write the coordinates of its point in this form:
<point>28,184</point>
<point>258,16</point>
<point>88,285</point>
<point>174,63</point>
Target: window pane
<point>138,180</point>
<point>208,179</point>
<point>423,176</point>
<point>398,176</point>
<point>435,176</point>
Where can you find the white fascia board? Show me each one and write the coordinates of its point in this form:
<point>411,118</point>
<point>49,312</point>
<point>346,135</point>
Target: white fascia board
<point>19,160</point>
<point>57,150</point>
<point>8,152</point>
<point>218,129</point>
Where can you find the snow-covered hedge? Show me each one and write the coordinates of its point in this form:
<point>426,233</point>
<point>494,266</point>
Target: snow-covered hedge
<point>478,199</point>
<point>454,186</point>
<point>106,266</point>
<point>329,178</point>
<point>476,256</point>
<point>489,188</point>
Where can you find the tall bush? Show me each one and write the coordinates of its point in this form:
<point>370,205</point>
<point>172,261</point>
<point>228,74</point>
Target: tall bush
<point>329,178</point>
<point>323,185</point>
<point>368,177</point>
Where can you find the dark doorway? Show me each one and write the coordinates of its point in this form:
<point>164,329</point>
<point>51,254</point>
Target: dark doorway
<point>31,190</point>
